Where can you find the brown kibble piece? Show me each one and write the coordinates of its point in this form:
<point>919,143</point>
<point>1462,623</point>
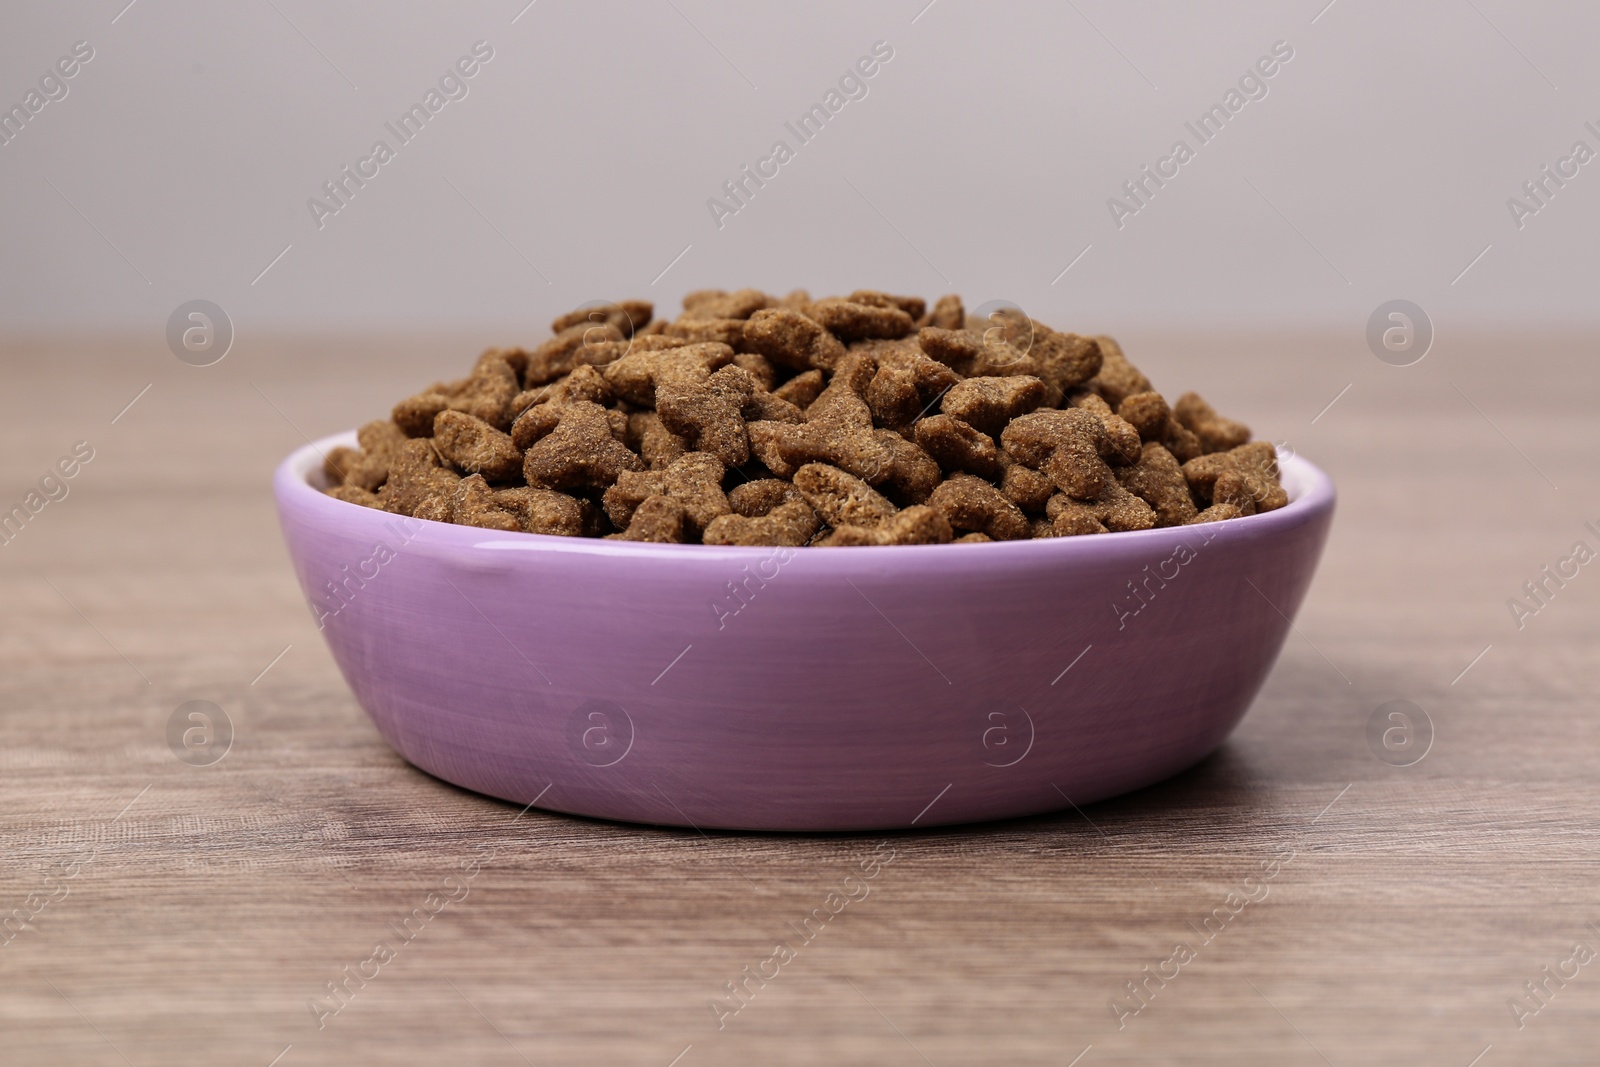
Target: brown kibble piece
<point>838,429</point>
<point>1005,323</point>
<point>913,306</point>
<point>473,504</point>
<point>706,410</point>
<point>760,497</point>
<point>415,414</point>
<point>583,342</point>
<point>1063,360</point>
<point>972,353</point>
<point>846,537</point>
<point>1148,413</point>
<point>1202,471</point>
<point>380,440</point>
<point>697,296</point>
<point>1117,379</point>
<point>1065,445</point>
<point>694,480</point>
<point>716,304</point>
<point>1079,398</point>
<point>973,504</point>
<point>770,407</point>
<point>932,377</point>
<point>1025,487</point>
<point>1182,442</point>
<point>1216,513</point>
<point>489,392</point>
<point>840,498</point>
<point>658,445</point>
<point>1118,509</point>
<point>438,507</point>
<point>354,494</point>
<point>908,381</point>
<point>948,313</point>
<point>802,389</point>
<point>416,476</point>
<point>988,404</point>
<point>1115,508</point>
<point>792,340</point>
<point>1074,520</point>
<point>913,473</point>
<point>1120,442</point>
<point>653,342</point>
<point>516,358</point>
<point>790,524</point>
<point>958,446</point>
<point>544,511</point>
<point>593,357</point>
<point>338,462</point>
<point>974,538</point>
<point>584,383</point>
<point>1158,480</point>
<point>850,321</point>
<point>916,525</point>
<point>1231,488</point>
<point>760,367</point>
<point>1216,433</point>
<point>581,452</point>
<point>472,445</point>
<point>1256,462</point>
<point>636,376</point>
<point>535,423</point>
<point>728,332</point>
<point>627,316</point>
<point>1009,342</point>
<point>892,396</point>
<point>659,519</point>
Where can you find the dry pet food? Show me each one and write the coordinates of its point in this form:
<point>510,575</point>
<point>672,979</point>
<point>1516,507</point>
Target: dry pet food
<point>867,419</point>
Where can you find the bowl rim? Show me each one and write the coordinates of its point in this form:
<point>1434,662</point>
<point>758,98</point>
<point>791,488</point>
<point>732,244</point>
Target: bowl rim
<point>1311,493</point>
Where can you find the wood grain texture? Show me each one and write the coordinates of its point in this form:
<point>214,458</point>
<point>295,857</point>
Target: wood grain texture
<point>219,900</point>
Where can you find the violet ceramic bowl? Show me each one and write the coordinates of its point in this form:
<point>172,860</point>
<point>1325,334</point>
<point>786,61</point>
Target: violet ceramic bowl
<point>801,689</point>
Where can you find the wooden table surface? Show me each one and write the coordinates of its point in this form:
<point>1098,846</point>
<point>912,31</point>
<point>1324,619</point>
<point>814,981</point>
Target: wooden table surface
<point>184,914</point>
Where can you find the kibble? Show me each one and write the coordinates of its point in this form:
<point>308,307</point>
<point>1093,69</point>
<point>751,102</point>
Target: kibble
<point>866,419</point>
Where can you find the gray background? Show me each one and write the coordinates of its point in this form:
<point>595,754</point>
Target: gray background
<point>1378,166</point>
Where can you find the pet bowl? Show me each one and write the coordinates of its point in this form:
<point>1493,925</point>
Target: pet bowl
<point>801,689</point>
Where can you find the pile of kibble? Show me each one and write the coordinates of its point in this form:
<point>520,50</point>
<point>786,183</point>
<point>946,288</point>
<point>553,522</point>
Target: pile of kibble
<point>868,419</point>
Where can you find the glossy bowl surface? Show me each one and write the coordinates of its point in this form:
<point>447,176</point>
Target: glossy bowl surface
<point>801,689</point>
